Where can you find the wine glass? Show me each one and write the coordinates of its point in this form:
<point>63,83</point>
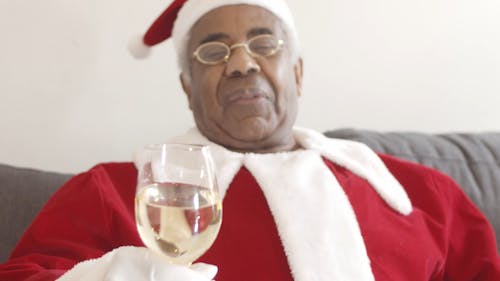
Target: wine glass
<point>178,209</point>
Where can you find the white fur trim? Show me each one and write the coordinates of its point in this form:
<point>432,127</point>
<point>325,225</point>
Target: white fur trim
<point>193,10</point>
<point>137,48</point>
<point>302,191</point>
<point>355,156</point>
<point>361,160</point>
<point>227,163</point>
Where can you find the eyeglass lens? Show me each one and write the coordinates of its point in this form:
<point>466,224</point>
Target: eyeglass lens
<point>214,52</point>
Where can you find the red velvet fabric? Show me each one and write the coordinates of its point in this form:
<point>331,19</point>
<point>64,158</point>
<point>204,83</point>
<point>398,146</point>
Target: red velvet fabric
<point>248,246</point>
<point>162,27</point>
<point>444,238</point>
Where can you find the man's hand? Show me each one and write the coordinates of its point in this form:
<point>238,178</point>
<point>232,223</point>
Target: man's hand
<point>137,264</point>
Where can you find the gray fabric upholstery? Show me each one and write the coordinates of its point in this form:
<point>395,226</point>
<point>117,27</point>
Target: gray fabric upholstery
<point>23,193</point>
<point>472,160</point>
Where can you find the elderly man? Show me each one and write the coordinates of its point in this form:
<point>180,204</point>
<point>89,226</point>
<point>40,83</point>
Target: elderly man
<point>298,206</point>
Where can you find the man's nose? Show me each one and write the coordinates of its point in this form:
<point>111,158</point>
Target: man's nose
<point>241,63</point>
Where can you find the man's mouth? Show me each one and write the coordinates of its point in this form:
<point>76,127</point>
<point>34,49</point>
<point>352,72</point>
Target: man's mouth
<point>248,95</point>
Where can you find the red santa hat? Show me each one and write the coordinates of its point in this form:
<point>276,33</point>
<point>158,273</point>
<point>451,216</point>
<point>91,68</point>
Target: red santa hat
<point>176,22</point>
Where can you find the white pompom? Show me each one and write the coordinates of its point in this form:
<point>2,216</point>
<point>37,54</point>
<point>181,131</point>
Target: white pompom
<point>138,49</point>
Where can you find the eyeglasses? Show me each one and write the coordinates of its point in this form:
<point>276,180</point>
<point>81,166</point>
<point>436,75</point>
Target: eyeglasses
<point>264,45</point>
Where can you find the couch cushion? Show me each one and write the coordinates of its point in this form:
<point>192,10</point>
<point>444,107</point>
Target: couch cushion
<point>473,160</point>
<point>23,193</point>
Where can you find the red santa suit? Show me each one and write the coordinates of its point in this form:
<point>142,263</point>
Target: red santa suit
<point>332,211</point>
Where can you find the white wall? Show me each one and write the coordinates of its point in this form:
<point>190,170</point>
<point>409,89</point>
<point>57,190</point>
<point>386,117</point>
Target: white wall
<point>71,96</point>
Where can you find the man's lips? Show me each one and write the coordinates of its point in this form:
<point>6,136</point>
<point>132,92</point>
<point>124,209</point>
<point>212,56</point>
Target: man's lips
<point>246,96</point>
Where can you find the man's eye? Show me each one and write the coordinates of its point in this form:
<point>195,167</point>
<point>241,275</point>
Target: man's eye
<point>213,53</point>
<point>263,46</point>
<point>263,49</point>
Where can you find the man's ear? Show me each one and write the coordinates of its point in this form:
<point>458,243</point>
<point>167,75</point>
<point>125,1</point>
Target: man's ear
<point>186,86</point>
<point>298,71</point>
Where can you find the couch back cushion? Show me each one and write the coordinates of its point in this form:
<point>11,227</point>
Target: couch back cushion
<point>472,160</point>
<point>23,193</point>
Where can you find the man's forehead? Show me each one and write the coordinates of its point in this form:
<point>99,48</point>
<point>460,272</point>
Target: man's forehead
<point>243,20</point>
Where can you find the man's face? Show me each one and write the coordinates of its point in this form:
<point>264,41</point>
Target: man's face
<point>247,103</point>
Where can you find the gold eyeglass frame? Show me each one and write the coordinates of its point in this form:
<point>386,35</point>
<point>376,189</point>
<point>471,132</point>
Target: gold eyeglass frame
<point>196,54</point>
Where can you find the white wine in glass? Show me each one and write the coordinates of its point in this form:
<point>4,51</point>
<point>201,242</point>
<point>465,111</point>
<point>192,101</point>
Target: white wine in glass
<point>178,208</point>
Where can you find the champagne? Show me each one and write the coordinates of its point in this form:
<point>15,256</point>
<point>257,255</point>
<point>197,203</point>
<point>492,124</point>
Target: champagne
<point>178,220</point>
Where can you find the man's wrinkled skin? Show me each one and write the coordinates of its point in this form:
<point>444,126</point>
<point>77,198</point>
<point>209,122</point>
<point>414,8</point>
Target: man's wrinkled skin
<point>248,104</point>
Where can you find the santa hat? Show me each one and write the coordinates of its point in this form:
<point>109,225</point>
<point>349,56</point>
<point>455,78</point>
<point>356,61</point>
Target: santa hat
<point>176,22</point>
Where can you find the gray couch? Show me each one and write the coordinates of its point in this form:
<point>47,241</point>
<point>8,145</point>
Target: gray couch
<point>23,192</point>
<point>473,160</point>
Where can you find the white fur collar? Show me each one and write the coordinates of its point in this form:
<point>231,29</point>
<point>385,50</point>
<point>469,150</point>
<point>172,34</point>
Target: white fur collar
<point>301,191</point>
<point>355,156</point>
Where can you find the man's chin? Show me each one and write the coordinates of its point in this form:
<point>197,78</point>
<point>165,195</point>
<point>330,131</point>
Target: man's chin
<point>246,136</point>
<point>251,130</point>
